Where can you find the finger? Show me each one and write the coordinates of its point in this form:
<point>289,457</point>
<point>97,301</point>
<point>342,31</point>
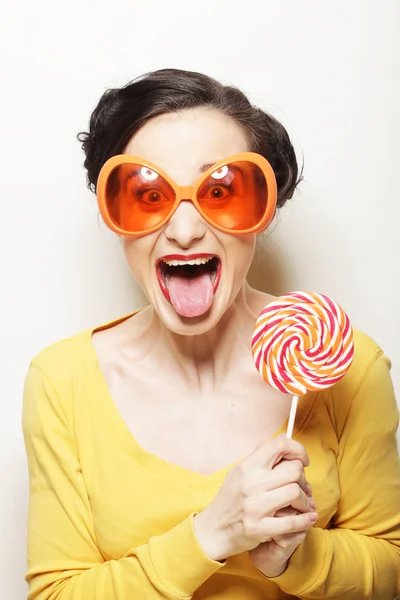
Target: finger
<point>286,512</point>
<point>289,495</point>
<point>287,471</point>
<point>290,539</point>
<point>279,547</point>
<point>271,452</point>
<point>268,503</point>
<point>271,527</point>
<point>289,510</point>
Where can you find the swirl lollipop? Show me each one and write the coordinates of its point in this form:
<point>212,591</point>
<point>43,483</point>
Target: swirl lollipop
<point>302,341</point>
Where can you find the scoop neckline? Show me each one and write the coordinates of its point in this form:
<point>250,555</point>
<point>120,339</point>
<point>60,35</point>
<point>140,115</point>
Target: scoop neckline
<point>142,458</point>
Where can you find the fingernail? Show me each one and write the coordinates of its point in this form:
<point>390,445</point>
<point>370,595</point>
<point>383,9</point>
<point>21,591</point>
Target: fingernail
<point>314,517</point>
<point>312,503</point>
<point>308,489</point>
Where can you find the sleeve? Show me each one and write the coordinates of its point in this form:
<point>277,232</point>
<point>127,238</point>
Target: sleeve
<point>359,557</point>
<point>64,561</point>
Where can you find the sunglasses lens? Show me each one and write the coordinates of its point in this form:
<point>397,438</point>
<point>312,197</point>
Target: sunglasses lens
<point>137,198</point>
<point>235,196</point>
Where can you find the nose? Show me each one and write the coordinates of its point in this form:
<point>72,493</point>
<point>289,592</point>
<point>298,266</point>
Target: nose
<point>186,227</point>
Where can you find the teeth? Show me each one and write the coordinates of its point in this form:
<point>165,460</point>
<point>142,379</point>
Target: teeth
<point>193,261</point>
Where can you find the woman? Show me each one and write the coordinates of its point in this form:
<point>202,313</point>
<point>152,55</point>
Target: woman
<point>156,465</point>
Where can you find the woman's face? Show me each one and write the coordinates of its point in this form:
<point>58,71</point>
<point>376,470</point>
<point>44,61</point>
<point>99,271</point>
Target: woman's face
<point>190,300</point>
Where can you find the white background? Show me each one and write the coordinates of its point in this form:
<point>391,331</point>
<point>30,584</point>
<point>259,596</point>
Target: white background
<point>328,69</point>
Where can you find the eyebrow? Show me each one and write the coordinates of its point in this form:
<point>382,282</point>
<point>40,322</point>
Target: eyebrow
<point>206,166</point>
<point>203,168</point>
<point>134,173</point>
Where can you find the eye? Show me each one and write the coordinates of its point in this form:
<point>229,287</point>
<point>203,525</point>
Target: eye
<point>148,174</point>
<point>217,192</point>
<point>220,173</point>
<point>150,196</point>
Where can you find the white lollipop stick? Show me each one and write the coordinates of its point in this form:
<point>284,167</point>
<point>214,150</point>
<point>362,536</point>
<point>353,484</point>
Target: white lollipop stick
<point>292,416</point>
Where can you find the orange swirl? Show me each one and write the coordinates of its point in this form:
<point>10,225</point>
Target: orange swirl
<point>302,341</point>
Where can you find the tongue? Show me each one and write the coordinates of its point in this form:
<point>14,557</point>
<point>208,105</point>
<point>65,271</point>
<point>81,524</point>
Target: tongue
<point>191,296</point>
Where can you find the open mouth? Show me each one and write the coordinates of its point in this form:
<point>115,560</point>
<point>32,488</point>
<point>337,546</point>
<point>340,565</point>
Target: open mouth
<point>189,282</point>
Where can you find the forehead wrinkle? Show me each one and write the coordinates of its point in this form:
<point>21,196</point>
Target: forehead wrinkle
<point>187,144</point>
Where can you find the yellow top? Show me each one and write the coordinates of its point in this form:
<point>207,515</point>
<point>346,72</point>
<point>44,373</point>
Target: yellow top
<point>110,521</point>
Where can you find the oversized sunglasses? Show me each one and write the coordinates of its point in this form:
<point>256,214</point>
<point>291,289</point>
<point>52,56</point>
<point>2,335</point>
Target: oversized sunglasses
<point>236,195</point>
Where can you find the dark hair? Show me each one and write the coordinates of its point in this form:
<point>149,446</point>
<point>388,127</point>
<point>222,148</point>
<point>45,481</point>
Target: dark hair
<point>121,112</point>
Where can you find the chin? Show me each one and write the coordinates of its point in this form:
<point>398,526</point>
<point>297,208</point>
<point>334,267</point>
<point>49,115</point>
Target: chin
<point>189,325</point>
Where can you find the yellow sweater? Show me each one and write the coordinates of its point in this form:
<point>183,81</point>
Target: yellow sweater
<point>110,521</point>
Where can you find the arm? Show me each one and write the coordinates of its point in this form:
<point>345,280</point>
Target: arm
<point>64,561</point>
<point>359,558</point>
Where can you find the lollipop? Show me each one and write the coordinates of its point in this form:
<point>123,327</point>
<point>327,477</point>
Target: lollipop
<point>301,342</point>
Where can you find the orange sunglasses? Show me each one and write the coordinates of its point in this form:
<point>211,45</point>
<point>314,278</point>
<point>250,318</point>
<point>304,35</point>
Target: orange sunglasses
<point>236,195</point>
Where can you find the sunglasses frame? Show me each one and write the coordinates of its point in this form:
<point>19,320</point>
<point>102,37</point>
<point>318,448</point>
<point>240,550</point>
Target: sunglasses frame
<point>188,192</point>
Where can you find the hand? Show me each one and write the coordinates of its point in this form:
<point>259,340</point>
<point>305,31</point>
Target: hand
<point>242,514</point>
<point>271,558</point>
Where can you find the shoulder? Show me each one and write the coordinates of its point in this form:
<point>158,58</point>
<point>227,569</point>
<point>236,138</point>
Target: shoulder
<point>65,358</point>
<point>63,368</point>
<point>370,369</point>
<point>51,381</point>
<point>366,353</point>
<point>74,355</point>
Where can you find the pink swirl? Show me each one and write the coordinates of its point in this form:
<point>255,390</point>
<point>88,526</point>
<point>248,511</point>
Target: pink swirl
<point>302,341</point>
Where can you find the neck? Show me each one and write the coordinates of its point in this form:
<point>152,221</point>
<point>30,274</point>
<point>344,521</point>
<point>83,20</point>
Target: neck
<point>205,361</point>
